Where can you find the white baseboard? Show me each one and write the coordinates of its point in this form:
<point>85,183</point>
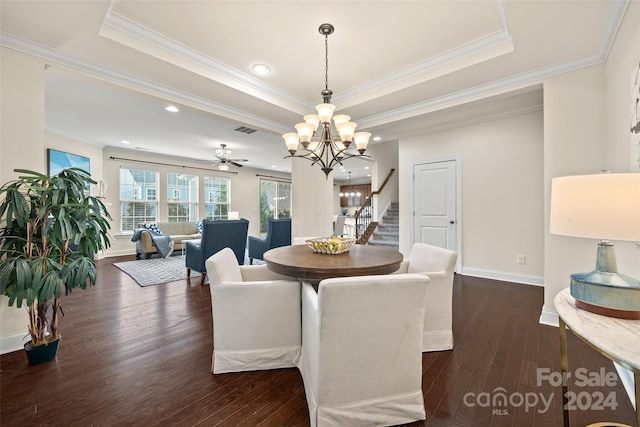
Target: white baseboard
<point>507,277</point>
<point>11,343</point>
<point>549,318</point>
<point>122,252</point>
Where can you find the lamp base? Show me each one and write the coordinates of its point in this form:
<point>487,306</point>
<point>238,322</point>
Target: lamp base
<point>609,312</point>
<point>608,294</point>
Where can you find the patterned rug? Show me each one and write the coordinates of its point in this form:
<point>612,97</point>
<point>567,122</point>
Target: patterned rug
<point>154,271</point>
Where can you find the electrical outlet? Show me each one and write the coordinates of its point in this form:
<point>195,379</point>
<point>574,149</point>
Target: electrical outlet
<point>521,259</point>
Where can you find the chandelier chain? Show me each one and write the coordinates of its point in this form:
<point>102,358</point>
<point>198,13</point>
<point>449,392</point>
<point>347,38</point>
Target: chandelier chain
<point>326,62</point>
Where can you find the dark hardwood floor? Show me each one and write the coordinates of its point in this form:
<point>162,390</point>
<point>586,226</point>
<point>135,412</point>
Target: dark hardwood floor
<point>141,357</point>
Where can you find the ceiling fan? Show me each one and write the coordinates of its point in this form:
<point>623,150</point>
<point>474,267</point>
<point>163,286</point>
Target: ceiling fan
<point>223,159</point>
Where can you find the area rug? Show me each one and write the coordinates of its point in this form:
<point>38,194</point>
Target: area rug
<point>154,271</point>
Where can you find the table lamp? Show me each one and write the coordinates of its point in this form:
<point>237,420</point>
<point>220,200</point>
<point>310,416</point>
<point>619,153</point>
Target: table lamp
<point>604,206</point>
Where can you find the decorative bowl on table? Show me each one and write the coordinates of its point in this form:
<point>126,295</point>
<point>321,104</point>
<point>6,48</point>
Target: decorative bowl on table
<point>331,245</point>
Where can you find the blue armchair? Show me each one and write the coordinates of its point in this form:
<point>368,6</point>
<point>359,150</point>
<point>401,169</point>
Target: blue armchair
<point>278,234</point>
<point>216,235</point>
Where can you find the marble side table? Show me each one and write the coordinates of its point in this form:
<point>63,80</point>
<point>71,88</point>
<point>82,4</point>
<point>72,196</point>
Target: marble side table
<point>616,339</point>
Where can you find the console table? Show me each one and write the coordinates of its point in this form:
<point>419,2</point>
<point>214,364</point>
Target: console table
<point>616,339</point>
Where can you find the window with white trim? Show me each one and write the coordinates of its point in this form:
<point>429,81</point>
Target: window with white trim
<point>182,197</point>
<point>217,193</point>
<point>138,201</point>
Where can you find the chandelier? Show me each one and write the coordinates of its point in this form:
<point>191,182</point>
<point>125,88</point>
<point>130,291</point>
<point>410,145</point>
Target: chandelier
<point>323,146</point>
<point>351,193</point>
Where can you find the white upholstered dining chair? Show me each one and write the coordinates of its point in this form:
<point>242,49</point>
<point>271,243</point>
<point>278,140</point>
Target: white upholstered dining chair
<point>361,359</point>
<point>439,264</point>
<point>256,316</point>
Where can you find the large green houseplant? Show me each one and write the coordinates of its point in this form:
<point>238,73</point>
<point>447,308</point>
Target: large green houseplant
<point>50,229</point>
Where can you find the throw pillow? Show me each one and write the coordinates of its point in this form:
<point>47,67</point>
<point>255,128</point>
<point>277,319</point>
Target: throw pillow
<point>199,226</point>
<point>152,227</point>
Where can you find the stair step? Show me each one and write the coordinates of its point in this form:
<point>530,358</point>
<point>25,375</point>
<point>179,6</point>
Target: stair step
<point>386,219</point>
<point>389,228</point>
<point>386,236</point>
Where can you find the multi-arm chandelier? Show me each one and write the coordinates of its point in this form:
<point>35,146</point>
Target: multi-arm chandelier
<point>322,147</point>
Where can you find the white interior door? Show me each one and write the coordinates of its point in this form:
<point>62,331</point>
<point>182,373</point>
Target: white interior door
<point>435,204</point>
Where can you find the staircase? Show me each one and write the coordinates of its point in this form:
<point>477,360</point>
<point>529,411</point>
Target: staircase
<point>387,232</point>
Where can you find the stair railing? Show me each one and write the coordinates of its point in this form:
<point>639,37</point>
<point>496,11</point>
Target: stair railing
<point>363,216</point>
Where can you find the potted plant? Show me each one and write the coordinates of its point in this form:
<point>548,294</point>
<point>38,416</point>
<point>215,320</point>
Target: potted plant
<point>50,228</point>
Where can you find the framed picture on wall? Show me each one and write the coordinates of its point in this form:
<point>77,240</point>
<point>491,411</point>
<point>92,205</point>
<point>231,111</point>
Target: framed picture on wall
<point>59,160</point>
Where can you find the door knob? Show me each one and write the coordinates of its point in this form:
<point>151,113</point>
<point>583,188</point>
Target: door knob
<point>452,222</point>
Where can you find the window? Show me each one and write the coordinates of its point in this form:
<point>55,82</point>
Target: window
<point>217,191</point>
<point>182,197</point>
<point>275,202</point>
<point>138,204</point>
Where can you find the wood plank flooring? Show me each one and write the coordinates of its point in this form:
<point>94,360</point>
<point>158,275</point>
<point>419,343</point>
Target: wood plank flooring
<point>133,356</point>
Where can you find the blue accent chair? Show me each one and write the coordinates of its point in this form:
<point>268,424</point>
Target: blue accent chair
<point>216,235</point>
<point>278,234</point>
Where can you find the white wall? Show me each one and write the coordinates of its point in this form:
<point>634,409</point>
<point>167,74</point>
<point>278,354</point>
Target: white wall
<point>21,142</point>
<point>622,155</point>
<point>502,193</point>
<point>245,189</point>
<point>587,130</point>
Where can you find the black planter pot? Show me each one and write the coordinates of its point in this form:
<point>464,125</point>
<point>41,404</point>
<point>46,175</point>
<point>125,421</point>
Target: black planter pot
<point>41,353</point>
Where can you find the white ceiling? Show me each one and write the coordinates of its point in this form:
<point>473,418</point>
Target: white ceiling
<point>398,68</point>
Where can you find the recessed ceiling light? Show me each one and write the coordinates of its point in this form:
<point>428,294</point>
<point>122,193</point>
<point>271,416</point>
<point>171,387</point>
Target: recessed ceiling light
<point>366,167</point>
<point>273,166</point>
<point>377,138</point>
<point>172,108</point>
<point>124,141</point>
<point>261,69</point>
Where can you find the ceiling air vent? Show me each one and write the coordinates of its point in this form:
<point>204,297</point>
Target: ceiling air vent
<point>246,130</point>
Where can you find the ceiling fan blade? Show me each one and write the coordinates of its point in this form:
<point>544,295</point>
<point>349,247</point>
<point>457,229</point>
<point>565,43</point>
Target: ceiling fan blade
<point>240,160</point>
<point>234,163</point>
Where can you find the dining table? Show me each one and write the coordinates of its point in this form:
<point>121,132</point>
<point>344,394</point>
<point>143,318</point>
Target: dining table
<point>301,262</point>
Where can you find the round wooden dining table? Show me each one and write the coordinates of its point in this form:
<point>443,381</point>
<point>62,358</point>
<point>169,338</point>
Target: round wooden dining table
<point>301,262</point>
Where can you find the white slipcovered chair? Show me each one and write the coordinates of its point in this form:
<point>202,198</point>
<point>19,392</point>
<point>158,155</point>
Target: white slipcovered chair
<point>439,264</point>
<point>361,359</point>
<point>256,316</point>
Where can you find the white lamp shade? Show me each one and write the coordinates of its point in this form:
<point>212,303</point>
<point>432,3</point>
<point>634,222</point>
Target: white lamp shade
<point>338,119</point>
<point>362,140</point>
<point>312,119</point>
<point>325,111</point>
<point>346,131</point>
<point>223,167</point>
<point>233,215</point>
<point>305,131</point>
<point>291,140</point>
<point>603,206</point>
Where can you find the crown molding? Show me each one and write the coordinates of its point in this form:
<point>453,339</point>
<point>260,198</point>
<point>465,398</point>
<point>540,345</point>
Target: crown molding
<point>483,49</point>
<point>478,92</point>
<point>117,23</point>
<point>477,119</point>
<point>136,83</point>
<point>136,36</point>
